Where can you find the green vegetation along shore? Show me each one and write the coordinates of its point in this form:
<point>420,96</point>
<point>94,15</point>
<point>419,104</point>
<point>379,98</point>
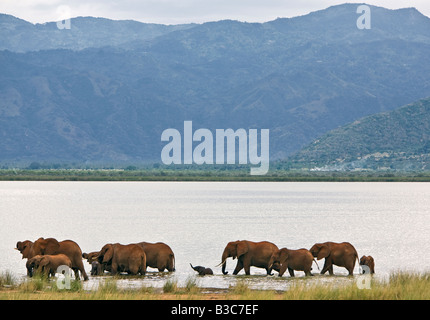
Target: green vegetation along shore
<point>164,174</point>
<point>399,286</point>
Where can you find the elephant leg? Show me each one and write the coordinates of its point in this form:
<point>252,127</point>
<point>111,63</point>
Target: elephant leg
<point>350,268</point>
<point>171,265</point>
<point>41,271</point>
<point>247,268</point>
<point>291,272</point>
<point>239,266</point>
<point>80,267</point>
<point>76,271</point>
<point>134,270</point>
<point>46,272</point>
<point>327,267</point>
<point>100,270</point>
<point>114,268</point>
<point>330,270</point>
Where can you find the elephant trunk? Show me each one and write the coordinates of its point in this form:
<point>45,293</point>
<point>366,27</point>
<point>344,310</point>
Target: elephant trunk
<point>224,262</point>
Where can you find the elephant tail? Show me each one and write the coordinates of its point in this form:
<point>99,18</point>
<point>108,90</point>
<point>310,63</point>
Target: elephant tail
<point>316,264</point>
<point>143,264</point>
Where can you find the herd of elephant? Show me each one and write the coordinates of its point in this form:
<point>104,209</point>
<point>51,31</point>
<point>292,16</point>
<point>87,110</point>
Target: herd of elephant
<point>46,255</point>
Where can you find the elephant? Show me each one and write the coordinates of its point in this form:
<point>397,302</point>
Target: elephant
<point>97,269</point>
<point>51,246</point>
<point>68,247</point>
<point>202,270</point>
<point>159,255</point>
<point>130,258</point>
<point>26,248</point>
<point>90,256</point>
<point>368,261</point>
<point>47,264</point>
<point>339,254</point>
<point>249,254</point>
<point>300,259</point>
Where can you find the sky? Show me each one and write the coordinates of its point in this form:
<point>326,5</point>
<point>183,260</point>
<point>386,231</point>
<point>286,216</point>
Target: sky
<point>182,11</point>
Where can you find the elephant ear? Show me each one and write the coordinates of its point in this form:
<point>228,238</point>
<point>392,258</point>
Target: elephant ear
<point>19,245</point>
<point>323,252</point>
<point>43,262</point>
<point>242,248</point>
<point>51,245</point>
<point>283,256</point>
<point>108,253</point>
<point>26,251</point>
<point>41,245</point>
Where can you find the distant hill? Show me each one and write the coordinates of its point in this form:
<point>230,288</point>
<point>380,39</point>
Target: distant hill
<point>105,90</point>
<point>398,139</point>
<point>86,32</point>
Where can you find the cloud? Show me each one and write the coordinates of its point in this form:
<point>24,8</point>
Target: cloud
<point>183,11</point>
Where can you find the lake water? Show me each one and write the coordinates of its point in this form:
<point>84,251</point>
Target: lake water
<point>389,221</point>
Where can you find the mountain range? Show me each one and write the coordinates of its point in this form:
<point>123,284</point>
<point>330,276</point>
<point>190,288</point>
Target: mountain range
<point>105,90</point>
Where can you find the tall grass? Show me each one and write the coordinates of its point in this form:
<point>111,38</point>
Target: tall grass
<point>7,279</point>
<point>399,286</point>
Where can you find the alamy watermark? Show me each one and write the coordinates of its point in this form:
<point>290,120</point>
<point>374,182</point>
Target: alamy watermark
<point>64,17</point>
<point>365,20</point>
<point>225,147</point>
<point>64,277</point>
<point>364,280</point>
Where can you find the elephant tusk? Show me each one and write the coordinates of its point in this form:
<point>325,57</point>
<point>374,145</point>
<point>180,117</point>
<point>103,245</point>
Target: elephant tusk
<point>317,264</point>
<point>221,263</point>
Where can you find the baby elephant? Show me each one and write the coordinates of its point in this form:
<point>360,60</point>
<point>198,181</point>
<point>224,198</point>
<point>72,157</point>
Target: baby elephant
<point>300,260</point>
<point>96,267</point>
<point>202,270</point>
<point>368,261</point>
<point>47,264</point>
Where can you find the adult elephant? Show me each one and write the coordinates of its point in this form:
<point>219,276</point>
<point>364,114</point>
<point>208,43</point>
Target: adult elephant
<point>248,253</point>
<point>68,247</point>
<point>26,248</point>
<point>51,246</point>
<point>300,260</point>
<point>159,255</point>
<point>339,254</point>
<point>130,258</point>
<point>47,264</point>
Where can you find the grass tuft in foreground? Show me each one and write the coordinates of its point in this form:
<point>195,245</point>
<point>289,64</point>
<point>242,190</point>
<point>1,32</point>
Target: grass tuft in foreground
<point>399,286</point>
